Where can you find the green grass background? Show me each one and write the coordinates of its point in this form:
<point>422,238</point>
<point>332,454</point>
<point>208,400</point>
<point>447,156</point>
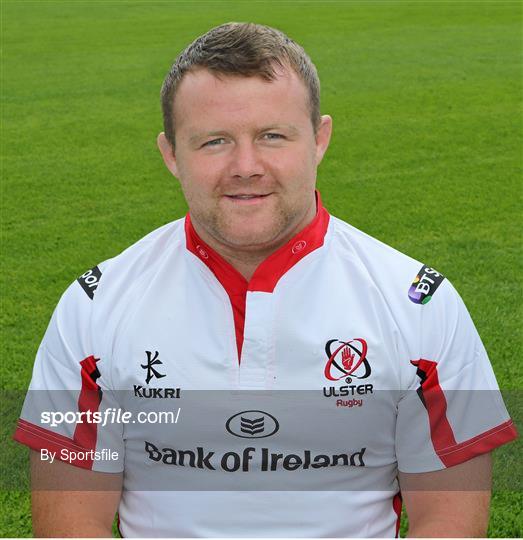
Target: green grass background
<point>426,156</point>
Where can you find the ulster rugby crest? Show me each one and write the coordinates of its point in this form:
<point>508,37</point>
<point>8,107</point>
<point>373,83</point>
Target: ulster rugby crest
<point>347,361</point>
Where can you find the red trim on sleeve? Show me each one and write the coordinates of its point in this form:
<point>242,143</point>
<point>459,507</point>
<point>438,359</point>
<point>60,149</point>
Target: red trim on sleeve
<point>436,404</point>
<point>90,397</point>
<point>85,433</point>
<point>268,273</point>
<point>480,444</point>
<point>38,438</point>
<point>447,448</point>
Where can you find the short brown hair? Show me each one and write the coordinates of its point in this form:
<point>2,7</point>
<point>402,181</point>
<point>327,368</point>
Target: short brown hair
<point>244,49</point>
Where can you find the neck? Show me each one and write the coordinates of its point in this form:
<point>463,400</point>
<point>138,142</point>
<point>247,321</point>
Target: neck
<point>246,261</point>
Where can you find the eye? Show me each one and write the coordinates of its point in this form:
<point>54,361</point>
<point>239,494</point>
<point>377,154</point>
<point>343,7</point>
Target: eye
<point>214,142</point>
<point>273,136</point>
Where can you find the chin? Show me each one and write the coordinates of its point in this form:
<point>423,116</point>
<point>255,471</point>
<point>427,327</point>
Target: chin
<point>251,240</point>
<point>259,232</point>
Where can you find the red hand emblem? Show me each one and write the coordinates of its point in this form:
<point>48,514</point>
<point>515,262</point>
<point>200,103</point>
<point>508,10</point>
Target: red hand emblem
<point>347,358</point>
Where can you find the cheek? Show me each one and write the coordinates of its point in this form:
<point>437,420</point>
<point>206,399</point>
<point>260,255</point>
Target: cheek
<point>199,176</point>
<point>295,167</point>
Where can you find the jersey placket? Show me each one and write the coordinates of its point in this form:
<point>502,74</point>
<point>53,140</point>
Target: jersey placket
<point>258,341</point>
<point>253,302</point>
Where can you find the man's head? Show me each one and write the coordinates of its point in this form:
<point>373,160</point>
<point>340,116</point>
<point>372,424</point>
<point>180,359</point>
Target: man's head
<point>244,136</point>
<point>240,49</point>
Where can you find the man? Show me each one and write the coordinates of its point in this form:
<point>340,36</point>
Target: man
<point>258,291</point>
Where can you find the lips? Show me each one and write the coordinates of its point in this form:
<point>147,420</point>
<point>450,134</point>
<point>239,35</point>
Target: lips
<point>247,199</point>
<point>247,196</point>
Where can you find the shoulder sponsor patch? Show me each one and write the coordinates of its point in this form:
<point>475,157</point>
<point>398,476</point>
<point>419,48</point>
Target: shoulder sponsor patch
<point>424,285</point>
<point>89,281</point>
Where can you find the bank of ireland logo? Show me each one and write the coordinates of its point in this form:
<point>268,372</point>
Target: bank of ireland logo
<point>346,360</point>
<point>253,424</point>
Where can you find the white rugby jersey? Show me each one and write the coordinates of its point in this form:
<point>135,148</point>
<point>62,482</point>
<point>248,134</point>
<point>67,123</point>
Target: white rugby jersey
<point>298,396</point>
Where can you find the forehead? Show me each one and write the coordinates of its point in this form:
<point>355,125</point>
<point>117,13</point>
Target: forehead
<point>203,98</point>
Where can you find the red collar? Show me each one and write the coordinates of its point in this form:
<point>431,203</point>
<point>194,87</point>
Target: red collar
<point>268,272</point>
<point>273,267</point>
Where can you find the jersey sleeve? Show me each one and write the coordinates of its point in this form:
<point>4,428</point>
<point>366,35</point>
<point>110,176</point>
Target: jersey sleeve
<point>453,409</point>
<point>65,407</point>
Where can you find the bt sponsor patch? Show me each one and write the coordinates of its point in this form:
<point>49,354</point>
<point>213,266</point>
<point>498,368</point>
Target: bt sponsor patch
<point>424,285</point>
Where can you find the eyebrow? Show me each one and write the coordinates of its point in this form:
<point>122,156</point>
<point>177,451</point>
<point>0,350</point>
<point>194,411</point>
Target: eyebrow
<point>193,139</point>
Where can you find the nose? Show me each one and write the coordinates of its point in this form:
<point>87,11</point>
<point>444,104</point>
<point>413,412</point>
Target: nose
<point>246,161</point>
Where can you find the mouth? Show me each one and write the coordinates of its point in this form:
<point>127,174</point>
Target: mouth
<point>247,198</point>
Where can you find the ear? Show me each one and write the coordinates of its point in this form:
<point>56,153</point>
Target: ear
<point>323,137</point>
<point>167,152</point>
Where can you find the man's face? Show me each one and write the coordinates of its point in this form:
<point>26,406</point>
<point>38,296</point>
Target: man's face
<point>246,157</point>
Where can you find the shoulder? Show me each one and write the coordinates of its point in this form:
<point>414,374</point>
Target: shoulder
<point>124,270</point>
<point>405,294</point>
<point>96,302</point>
<point>395,274</point>
<point>110,283</point>
<point>373,253</point>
